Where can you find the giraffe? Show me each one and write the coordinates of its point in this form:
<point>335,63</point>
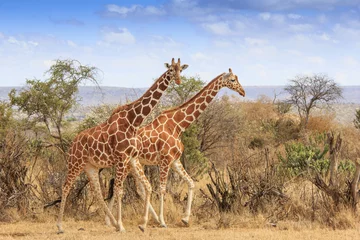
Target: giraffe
<point>161,143</point>
<point>113,143</point>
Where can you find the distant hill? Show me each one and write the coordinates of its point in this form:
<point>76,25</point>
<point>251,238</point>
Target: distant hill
<point>343,110</point>
<point>116,95</point>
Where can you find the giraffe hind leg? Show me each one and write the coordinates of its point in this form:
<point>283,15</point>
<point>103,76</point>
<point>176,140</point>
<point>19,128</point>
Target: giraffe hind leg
<point>70,179</point>
<point>139,173</point>
<point>178,167</point>
<point>141,191</point>
<point>92,174</point>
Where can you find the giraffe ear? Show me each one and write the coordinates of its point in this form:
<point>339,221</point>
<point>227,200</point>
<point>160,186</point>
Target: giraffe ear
<point>185,66</point>
<point>167,65</point>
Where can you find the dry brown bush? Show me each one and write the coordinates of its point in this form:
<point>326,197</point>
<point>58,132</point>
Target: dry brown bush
<point>321,123</point>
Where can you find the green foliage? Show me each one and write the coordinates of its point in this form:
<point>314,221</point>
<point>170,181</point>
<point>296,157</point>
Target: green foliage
<point>96,116</point>
<point>193,159</point>
<point>357,119</point>
<point>301,159</point>
<point>48,101</point>
<point>178,94</point>
<point>6,116</point>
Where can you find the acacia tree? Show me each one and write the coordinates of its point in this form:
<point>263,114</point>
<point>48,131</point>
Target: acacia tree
<point>309,92</point>
<point>48,101</point>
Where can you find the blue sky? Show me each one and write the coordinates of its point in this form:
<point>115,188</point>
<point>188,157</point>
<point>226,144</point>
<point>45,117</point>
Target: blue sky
<point>265,42</point>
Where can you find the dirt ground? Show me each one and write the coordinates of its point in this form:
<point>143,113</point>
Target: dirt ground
<point>95,230</point>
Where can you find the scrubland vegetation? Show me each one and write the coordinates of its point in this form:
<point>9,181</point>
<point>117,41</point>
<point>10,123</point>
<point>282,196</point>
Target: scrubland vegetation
<point>259,164</point>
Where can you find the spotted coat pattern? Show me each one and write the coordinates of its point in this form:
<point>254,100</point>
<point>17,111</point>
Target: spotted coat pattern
<point>161,143</point>
<point>114,143</point>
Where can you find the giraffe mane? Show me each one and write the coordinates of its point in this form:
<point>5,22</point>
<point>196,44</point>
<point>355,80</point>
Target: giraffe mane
<point>194,97</point>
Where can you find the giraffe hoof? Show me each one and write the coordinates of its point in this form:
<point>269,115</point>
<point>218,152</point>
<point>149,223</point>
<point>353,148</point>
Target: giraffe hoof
<point>60,232</point>
<point>122,230</point>
<point>163,225</point>
<point>142,228</point>
<point>186,222</point>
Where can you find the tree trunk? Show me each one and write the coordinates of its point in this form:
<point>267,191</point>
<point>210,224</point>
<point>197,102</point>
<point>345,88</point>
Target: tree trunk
<point>354,184</point>
<point>334,148</point>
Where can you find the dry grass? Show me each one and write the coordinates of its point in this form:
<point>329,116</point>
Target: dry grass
<point>95,230</point>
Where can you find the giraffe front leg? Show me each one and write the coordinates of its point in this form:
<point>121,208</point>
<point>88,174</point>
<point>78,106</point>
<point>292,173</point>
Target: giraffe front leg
<point>111,205</point>
<point>121,173</point>
<point>141,190</point>
<point>140,175</point>
<point>178,167</point>
<point>164,171</point>
<point>92,174</point>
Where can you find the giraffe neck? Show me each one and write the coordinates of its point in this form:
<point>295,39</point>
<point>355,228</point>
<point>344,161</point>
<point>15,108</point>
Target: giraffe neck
<point>138,110</point>
<point>188,112</point>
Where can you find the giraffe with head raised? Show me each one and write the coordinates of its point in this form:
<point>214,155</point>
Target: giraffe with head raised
<point>161,143</point>
<point>114,143</point>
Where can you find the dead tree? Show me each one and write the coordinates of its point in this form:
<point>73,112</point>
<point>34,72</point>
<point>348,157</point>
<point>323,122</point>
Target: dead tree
<point>334,148</point>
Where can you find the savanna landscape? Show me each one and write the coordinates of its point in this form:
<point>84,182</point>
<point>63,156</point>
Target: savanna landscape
<point>253,134</point>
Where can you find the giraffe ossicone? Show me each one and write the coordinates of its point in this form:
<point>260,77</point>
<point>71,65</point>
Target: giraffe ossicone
<point>114,143</point>
<point>160,141</point>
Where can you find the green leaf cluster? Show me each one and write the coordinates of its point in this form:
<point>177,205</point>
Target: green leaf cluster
<point>301,159</point>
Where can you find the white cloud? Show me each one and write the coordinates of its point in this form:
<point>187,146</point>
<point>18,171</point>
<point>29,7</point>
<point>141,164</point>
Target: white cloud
<point>164,41</point>
<point>23,44</point>
<point>199,56</point>
<point>222,43</point>
<point>2,35</point>
<point>220,28</point>
<point>346,31</point>
<point>71,43</point>
<point>300,27</point>
<point>294,16</point>
<point>265,16</point>
<point>119,36</point>
<point>134,9</point>
<point>275,18</point>
<point>256,41</point>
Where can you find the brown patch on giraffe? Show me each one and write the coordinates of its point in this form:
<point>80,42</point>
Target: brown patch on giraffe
<point>146,101</point>
<point>113,127</point>
<point>200,100</point>
<point>146,110</point>
<point>138,109</point>
<point>153,102</point>
<point>197,113</point>
<point>190,109</point>
<point>157,94</point>
<point>162,86</point>
<point>190,118</point>
<point>131,114</point>
<point>179,115</point>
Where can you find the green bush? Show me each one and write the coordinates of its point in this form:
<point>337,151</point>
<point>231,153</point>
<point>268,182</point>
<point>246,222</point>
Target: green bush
<point>301,159</point>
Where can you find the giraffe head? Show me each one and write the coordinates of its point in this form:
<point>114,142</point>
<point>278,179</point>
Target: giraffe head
<point>175,69</point>
<point>231,81</point>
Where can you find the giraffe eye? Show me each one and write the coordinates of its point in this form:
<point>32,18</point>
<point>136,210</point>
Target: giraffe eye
<point>232,80</point>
